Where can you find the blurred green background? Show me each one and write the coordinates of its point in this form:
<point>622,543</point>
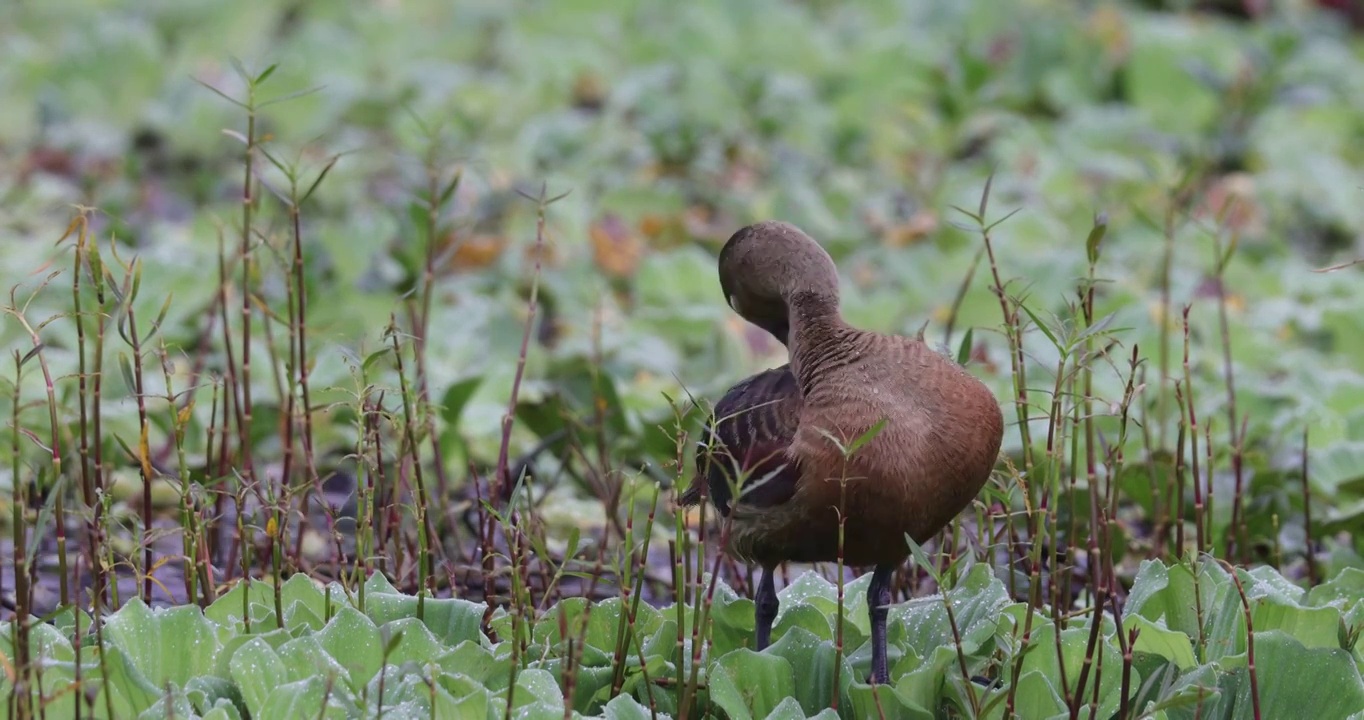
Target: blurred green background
<point>671,125</point>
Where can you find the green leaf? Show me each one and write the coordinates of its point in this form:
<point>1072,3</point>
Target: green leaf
<point>746,684</point>
<point>624,707</point>
<point>1313,627</point>
<point>452,620</point>
<point>977,602</point>
<point>921,681</point>
<point>300,589</point>
<point>1100,326</point>
<point>876,701</point>
<point>1036,697</point>
<point>1051,336</point>
<point>812,660</point>
<point>304,698</point>
<point>1343,591</point>
<point>1291,677</point>
<point>1173,596</point>
<point>374,358</point>
<point>535,686</point>
<point>353,641</point>
<point>257,670</point>
<point>131,691</point>
<point>1096,236</point>
<point>479,664</point>
<point>867,436</point>
<point>299,617</point>
<point>599,637</point>
<point>168,645</point>
<point>805,618</point>
<point>593,685</point>
<point>411,642</point>
<point>922,561</point>
<point>471,701</point>
<point>809,587</point>
<point>731,618</point>
<point>1156,639</point>
<point>170,705</point>
<point>456,397</point>
<point>265,74</point>
<point>964,350</point>
<point>786,709</point>
<point>227,609</point>
<point>222,710</point>
<point>389,638</point>
<point>304,657</point>
<point>275,638</point>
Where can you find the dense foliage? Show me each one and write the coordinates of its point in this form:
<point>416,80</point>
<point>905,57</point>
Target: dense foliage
<point>433,385</point>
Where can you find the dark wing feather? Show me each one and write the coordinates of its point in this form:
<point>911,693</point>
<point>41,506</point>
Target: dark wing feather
<point>754,423</point>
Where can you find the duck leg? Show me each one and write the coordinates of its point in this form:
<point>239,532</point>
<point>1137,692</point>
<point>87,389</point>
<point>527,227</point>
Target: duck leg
<point>878,607</point>
<point>765,610</point>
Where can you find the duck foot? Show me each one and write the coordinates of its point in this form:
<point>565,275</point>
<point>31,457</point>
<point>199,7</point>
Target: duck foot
<point>765,610</point>
<point>878,607</point>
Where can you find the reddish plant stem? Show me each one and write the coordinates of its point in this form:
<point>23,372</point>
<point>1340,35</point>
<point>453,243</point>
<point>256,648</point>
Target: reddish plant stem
<point>1126,697</point>
<point>244,386</point>
<point>1250,640</point>
<point>1200,520</point>
<point>144,462</point>
<point>501,481</point>
<point>21,694</point>
<point>87,479</point>
<point>1236,436</point>
<point>1179,479</point>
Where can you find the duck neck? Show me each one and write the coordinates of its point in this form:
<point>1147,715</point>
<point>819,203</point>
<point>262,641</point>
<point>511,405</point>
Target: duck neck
<point>815,330</point>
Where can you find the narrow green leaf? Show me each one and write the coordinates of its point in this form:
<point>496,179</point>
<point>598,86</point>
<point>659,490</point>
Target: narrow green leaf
<point>1231,250</point>
<point>1096,328</point>
<point>922,560</point>
<point>391,639</point>
<point>320,176</point>
<point>867,436</point>
<point>126,368</point>
<point>964,351</point>
<point>1003,220</point>
<point>1040,326</point>
<point>968,214</point>
<point>222,94</point>
<point>456,397</point>
<point>161,315</point>
<point>375,357</point>
<point>136,279</point>
<point>289,96</point>
<point>985,196</point>
<point>266,73</point>
<point>1096,236</point>
<point>450,188</point>
<point>237,66</point>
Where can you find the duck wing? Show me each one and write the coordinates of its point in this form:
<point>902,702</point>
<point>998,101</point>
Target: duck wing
<point>753,426</point>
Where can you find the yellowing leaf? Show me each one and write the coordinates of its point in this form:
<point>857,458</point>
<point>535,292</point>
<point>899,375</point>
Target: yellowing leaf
<point>144,454</point>
<point>182,417</point>
<point>616,250</point>
<point>474,251</point>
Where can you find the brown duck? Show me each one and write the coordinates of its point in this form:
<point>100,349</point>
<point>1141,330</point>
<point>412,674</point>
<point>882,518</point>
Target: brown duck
<point>936,449</point>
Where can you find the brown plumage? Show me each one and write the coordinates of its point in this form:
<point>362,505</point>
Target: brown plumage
<point>938,445</point>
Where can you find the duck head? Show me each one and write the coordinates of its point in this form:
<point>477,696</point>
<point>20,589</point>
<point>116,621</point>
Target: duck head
<point>768,268</point>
